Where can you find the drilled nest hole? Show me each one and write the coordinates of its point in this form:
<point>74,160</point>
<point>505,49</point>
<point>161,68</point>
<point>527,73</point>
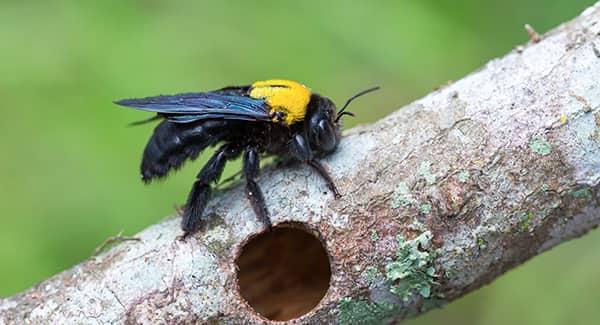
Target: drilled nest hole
<point>283,273</point>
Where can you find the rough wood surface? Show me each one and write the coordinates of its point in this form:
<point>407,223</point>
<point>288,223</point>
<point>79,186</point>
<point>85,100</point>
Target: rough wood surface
<point>439,199</point>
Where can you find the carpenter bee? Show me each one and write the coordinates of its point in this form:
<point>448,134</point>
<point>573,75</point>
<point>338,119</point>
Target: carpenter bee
<point>272,117</point>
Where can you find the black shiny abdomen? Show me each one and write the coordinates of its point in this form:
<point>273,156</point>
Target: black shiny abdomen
<point>172,144</point>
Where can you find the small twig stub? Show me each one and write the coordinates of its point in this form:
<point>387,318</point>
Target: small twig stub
<point>534,37</point>
<point>119,238</point>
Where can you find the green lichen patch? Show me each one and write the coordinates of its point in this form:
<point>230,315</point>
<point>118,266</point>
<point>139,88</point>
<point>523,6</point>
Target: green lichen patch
<point>214,220</point>
<point>361,311</point>
<point>402,196</point>
<point>564,119</point>
<point>371,274</point>
<point>540,146</point>
<point>217,240</point>
<point>481,243</point>
<point>525,220</point>
<point>451,273</point>
<point>425,172</point>
<point>463,176</point>
<point>374,236</point>
<point>582,193</point>
<point>411,272</point>
<point>425,208</point>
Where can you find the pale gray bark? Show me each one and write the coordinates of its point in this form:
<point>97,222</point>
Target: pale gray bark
<point>484,173</point>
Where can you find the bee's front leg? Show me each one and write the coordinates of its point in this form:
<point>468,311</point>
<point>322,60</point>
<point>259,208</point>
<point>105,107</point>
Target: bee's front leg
<point>300,149</point>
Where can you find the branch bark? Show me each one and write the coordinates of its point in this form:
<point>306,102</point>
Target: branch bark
<point>439,199</point>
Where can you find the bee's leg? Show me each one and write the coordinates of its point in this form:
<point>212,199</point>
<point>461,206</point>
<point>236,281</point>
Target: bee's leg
<point>300,149</point>
<point>198,197</point>
<point>253,192</point>
<point>316,165</point>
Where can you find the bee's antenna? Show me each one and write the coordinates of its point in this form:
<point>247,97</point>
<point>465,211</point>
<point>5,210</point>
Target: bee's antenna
<point>342,112</point>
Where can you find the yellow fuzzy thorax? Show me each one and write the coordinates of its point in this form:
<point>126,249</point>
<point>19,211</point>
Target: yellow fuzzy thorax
<point>287,98</point>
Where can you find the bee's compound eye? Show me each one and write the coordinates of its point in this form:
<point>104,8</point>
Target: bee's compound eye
<point>326,136</point>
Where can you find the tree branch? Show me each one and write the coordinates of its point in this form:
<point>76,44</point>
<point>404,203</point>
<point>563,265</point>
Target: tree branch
<point>439,199</point>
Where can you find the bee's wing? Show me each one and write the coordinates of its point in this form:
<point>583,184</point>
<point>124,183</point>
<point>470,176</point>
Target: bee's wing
<point>191,107</point>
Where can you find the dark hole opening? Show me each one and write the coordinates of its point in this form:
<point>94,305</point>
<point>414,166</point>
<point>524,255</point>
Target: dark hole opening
<point>283,273</point>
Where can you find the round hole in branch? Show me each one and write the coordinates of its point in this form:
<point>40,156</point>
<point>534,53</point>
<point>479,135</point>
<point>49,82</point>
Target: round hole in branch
<point>283,273</point>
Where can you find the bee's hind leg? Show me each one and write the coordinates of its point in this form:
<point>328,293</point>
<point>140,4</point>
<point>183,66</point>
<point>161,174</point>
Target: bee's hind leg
<point>201,190</point>
<point>253,192</point>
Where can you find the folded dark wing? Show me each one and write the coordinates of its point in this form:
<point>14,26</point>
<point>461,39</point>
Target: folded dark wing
<point>191,107</point>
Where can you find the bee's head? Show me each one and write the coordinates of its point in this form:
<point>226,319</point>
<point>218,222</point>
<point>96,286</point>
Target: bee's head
<point>324,121</point>
<point>323,128</point>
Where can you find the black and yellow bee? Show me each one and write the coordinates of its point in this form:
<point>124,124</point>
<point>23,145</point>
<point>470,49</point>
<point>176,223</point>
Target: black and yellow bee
<point>272,117</point>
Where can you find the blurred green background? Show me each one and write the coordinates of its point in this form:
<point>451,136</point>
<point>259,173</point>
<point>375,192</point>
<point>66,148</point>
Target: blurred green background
<point>69,167</point>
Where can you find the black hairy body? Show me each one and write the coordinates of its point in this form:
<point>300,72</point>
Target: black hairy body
<point>274,117</point>
<point>172,144</point>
